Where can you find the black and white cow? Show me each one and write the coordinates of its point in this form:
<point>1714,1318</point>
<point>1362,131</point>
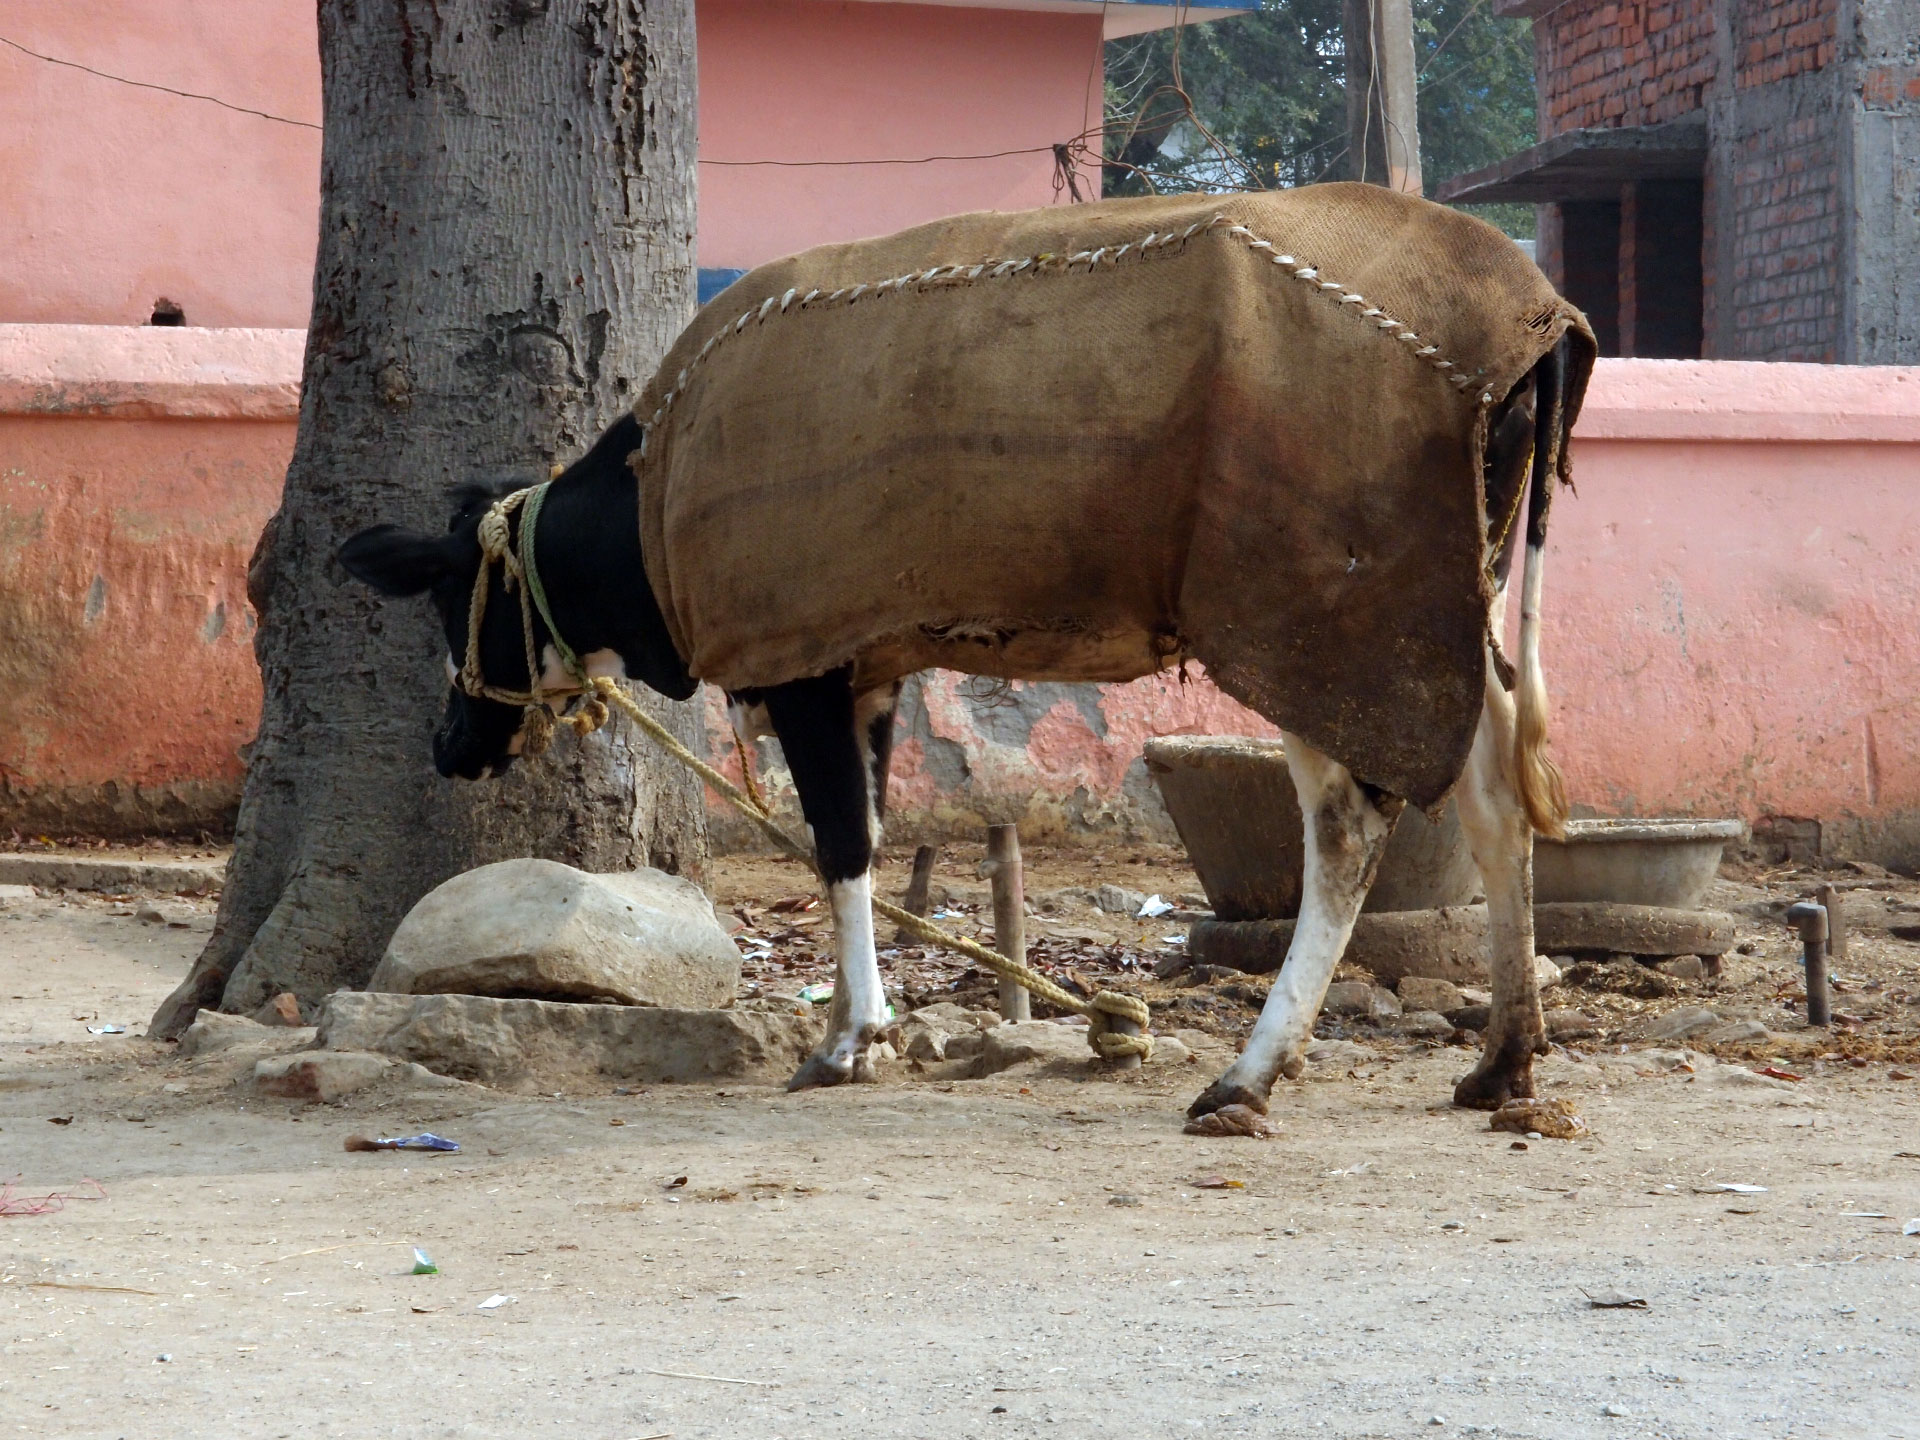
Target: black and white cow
<point>837,741</point>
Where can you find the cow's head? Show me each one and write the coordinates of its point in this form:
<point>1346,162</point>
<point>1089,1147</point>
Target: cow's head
<point>478,737</point>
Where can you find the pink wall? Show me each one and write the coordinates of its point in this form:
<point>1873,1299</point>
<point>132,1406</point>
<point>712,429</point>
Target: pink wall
<point>116,196</point>
<point>1732,603</point>
<point>1733,600</point>
<point>136,469</point>
<point>806,80</point>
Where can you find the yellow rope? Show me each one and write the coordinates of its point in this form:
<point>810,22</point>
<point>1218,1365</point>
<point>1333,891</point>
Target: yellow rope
<point>496,547</point>
<point>1101,1011</point>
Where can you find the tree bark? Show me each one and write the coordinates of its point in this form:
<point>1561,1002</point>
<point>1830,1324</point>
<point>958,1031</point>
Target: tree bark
<point>506,250</point>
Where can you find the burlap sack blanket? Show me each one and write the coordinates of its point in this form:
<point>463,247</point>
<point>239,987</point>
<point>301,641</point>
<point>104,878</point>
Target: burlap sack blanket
<point>1086,442</point>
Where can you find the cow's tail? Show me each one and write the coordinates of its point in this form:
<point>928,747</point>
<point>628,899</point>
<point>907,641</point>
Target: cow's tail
<point>1542,791</point>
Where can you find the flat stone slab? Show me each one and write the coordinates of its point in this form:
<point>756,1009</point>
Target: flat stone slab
<point>1451,943</point>
<point>1598,927</point>
<point>1448,944</point>
<point>115,877</point>
<point>510,1043</point>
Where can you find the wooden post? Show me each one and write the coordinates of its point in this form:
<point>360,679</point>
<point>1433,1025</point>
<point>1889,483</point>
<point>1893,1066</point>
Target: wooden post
<point>914,902</point>
<point>1836,923</point>
<point>1009,914</point>
<point>1383,123</point>
<point>1124,1062</point>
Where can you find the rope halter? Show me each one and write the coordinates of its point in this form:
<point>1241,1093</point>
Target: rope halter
<point>519,572</point>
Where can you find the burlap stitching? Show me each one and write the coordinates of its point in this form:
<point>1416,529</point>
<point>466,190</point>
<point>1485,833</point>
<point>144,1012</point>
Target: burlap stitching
<point>1342,296</point>
<point>955,276</point>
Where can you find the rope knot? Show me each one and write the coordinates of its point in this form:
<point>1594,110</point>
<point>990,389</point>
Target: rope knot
<point>1110,1044</point>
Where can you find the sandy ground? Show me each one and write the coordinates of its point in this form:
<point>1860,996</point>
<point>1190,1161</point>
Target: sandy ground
<point>1024,1255</point>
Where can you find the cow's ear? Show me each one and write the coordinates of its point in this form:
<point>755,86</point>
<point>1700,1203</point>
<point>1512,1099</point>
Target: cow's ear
<point>396,561</point>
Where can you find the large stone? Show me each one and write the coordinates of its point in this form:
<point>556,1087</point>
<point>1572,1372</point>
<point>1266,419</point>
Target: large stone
<point>1421,992</point>
<point>213,1033</point>
<point>1358,998</point>
<point>1688,1020</point>
<point>1651,930</point>
<point>536,929</point>
<point>516,1043</point>
<point>1018,1043</point>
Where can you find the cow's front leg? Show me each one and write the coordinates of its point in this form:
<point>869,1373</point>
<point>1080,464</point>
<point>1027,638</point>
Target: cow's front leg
<point>826,746</point>
<point>1346,831</point>
<point>1501,839</point>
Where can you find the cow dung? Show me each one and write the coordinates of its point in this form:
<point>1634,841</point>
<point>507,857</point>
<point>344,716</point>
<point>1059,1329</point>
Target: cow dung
<point>540,930</point>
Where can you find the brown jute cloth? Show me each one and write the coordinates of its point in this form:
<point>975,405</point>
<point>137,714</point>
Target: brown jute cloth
<point>1154,440</point>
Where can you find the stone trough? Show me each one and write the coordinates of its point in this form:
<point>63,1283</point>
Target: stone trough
<point>1612,888</point>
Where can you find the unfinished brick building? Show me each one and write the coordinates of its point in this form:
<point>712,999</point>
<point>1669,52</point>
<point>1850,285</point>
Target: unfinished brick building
<point>1728,179</point>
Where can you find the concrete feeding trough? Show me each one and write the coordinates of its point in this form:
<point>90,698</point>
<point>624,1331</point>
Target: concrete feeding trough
<point>1668,863</point>
<point>1233,802</point>
<point>1613,887</point>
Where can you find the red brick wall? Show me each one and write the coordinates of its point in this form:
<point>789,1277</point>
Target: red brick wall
<point>1624,62</point>
<point>1777,38</point>
<point>1784,298</point>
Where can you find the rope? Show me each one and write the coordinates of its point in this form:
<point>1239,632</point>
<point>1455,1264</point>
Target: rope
<point>1105,1007</point>
<point>1102,1011</point>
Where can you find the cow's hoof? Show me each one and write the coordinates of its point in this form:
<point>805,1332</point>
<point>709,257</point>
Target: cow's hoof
<point>1493,1082</point>
<point>1225,1092</point>
<point>822,1070</point>
<point>1505,1072</point>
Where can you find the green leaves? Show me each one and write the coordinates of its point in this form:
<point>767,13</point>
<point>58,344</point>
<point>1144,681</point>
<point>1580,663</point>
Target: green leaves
<point>1268,100</point>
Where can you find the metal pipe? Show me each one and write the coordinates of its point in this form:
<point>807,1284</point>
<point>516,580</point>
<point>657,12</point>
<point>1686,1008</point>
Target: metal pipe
<point>1811,921</point>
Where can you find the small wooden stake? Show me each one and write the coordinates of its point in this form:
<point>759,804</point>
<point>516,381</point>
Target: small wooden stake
<point>1836,923</point>
<point>1009,914</point>
<point>914,902</point>
<point>1124,1062</point>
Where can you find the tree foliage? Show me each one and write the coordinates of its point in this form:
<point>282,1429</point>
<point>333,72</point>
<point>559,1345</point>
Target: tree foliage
<point>1269,108</point>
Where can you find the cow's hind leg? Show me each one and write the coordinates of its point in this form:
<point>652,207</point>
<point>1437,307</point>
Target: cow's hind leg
<point>827,736</point>
<point>1501,837</point>
<point>1346,830</point>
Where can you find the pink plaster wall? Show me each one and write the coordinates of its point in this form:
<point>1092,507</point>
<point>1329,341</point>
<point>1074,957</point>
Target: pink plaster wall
<point>1732,604</point>
<point>116,196</point>
<point>1733,598</point>
<point>814,81</point>
<point>137,467</point>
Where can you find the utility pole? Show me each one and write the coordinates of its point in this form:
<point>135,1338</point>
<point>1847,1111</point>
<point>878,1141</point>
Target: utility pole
<point>1383,126</point>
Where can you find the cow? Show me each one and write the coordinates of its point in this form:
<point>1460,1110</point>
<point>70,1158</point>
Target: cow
<point>1289,437</point>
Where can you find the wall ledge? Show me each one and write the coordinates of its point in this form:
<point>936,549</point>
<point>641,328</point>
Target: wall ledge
<point>159,372</point>
<point>140,372</point>
<point>1751,400</point>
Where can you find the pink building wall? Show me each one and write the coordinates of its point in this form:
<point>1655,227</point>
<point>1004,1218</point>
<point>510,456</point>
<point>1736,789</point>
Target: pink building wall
<point>112,196</point>
<point>117,196</point>
<point>1732,605</point>
<point>801,80</point>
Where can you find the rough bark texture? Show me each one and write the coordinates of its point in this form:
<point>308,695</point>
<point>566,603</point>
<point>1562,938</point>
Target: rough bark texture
<point>506,228</point>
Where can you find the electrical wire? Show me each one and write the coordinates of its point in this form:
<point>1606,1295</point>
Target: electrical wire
<point>164,89</point>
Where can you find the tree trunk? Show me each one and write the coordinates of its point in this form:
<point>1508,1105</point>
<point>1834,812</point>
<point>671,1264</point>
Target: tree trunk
<point>506,250</point>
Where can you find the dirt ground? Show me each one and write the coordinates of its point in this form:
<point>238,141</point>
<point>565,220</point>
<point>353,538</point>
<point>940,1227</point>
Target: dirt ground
<point>1039,1253</point>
